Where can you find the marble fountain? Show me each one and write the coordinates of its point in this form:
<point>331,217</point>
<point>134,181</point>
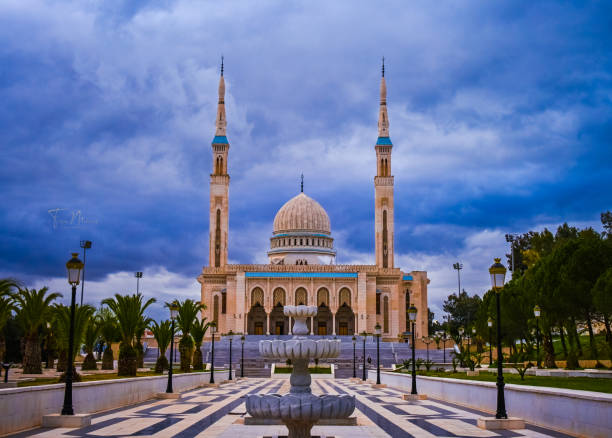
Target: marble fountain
<point>300,409</point>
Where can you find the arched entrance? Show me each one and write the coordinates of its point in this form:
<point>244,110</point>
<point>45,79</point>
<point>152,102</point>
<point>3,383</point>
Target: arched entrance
<point>256,322</point>
<point>345,318</point>
<point>279,323</point>
<point>323,320</point>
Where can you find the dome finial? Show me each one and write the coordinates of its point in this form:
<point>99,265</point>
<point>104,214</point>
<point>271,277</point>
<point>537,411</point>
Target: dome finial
<point>222,66</point>
<point>302,184</point>
<point>383,67</point>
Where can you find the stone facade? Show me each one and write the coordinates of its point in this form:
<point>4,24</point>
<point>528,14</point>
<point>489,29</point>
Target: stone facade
<point>302,270</point>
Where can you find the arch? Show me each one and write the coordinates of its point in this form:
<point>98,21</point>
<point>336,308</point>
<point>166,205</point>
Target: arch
<point>216,310</point>
<point>218,239</point>
<point>301,296</point>
<point>257,297</point>
<point>344,297</point>
<point>278,296</point>
<point>323,297</point>
<point>386,314</point>
<point>385,249</point>
<point>345,321</point>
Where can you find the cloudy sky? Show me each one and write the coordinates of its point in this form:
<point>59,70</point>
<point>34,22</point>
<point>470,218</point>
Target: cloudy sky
<point>500,117</point>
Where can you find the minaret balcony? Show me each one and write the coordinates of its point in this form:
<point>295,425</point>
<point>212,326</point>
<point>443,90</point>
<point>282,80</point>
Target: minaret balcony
<point>219,179</point>
<point>383,180</point>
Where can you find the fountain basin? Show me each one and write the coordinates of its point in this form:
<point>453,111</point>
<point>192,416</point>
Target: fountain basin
<point>300,311</point>
<point>300,407</point>
<point>300,349</point>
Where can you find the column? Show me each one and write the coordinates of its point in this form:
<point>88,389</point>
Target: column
<point>290,325</point>
<point>267,323</point>
<point>334,323</point>
<point>311,326</point>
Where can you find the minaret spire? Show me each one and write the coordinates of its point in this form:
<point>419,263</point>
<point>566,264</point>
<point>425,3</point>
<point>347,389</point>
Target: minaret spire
<point>383,119</point>
<point>302,184</point>
<point>221,122</point>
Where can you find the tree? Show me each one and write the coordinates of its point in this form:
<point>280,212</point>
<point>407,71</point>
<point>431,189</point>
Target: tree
<point>61,326</point>
<point>129,312</point>
<point>109,333</point>
<point>7,285</point>
<point>602,299</point>
<point>606,221</point>
<point>162,333</point>
<point>197,332</point>
<point>186,319</point>
<point>90,338</point>
<point>34,307</point>
<point>462,309</point>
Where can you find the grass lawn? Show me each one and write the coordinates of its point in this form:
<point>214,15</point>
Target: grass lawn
<point>89,378</point>
<point>580,383</point>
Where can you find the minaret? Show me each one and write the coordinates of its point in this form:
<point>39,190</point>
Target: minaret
<point>219,185</point>
<point>383,184</point>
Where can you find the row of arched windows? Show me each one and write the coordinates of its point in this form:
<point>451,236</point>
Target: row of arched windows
<point>301,297</point>
<point>301,241</point>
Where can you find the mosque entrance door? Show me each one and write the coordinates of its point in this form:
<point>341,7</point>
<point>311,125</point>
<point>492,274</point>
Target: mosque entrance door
<point>278,320</point>
<point>322,329</point>
<point>259,328</point>
<point>345,320</point>
<point>256,321</point>
<point>280,328</point>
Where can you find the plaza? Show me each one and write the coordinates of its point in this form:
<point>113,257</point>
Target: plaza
<point>220,412</point>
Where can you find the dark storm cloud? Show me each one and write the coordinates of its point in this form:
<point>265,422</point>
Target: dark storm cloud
<point>500,116</point>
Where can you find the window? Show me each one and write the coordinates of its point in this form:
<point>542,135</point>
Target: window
<point>385,249</point>
<point>377,303</point>
<point>223,302</point>
<point>218,240</point>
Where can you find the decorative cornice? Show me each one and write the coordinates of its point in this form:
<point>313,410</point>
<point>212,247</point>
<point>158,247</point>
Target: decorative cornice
<point>383,181</point>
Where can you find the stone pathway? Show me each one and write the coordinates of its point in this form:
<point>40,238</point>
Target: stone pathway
<point>219,412</point>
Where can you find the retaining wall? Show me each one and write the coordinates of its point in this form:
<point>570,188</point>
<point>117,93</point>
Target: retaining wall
<point>580,413</point>
<point>23,408</point>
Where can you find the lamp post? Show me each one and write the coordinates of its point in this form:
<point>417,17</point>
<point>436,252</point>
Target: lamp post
<point>444,346</point>
<point>426,340</point>
<point>230,336</point>
<point>364,335</point>
<point>213,329</point>
<point>412,314</point>
<point>173,314</point>
<point>138,276</point>
<point>73,266</point>
<point>354,358</point>
<point>377,332</point>
<point>498,276</point>
<point>537,311</point>
<point>490,324</point>
<point>458,266</point>
<point>85,244</point>
<point>461,331</point>
<point>242,356</point>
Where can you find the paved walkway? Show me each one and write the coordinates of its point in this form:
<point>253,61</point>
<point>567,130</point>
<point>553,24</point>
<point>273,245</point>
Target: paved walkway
<point>219,412</point>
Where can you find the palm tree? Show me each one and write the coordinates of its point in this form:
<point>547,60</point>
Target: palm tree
<point>90,338</point>
<point>109,333</point>
<point>61,326</point>
<point>197,333</point>
<point>162,333</point>
<point>129,311</point>
<point>186,319</point>
<point>33,311</point>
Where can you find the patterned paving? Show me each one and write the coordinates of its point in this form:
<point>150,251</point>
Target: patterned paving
<point>219,412</point>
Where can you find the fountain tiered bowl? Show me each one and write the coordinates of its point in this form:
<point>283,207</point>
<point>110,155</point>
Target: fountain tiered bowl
<point>299,409</point>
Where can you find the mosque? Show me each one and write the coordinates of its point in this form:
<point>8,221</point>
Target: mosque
<point>302,265</point>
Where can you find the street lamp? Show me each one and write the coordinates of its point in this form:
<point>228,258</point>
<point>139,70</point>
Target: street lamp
<point>461,331</point>
<point>364,335</point>
<point>138,276</point>
<point>444,346</point>
<point>537,311</point>
<point>73,266</point>
<point>412,314</point>
<point>498,276</point>
<point>230,336</point>
<point>174,308</point>
<point>242,356</point>
<point>213,329</point>
<point>354,358</point>
<point>490,324</point>
<point>427,341</point>
<point>377,332</point>
<point>458,266</point>
<point>85,244</point>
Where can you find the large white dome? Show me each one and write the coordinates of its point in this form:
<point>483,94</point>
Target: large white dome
<point>302,213</point>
